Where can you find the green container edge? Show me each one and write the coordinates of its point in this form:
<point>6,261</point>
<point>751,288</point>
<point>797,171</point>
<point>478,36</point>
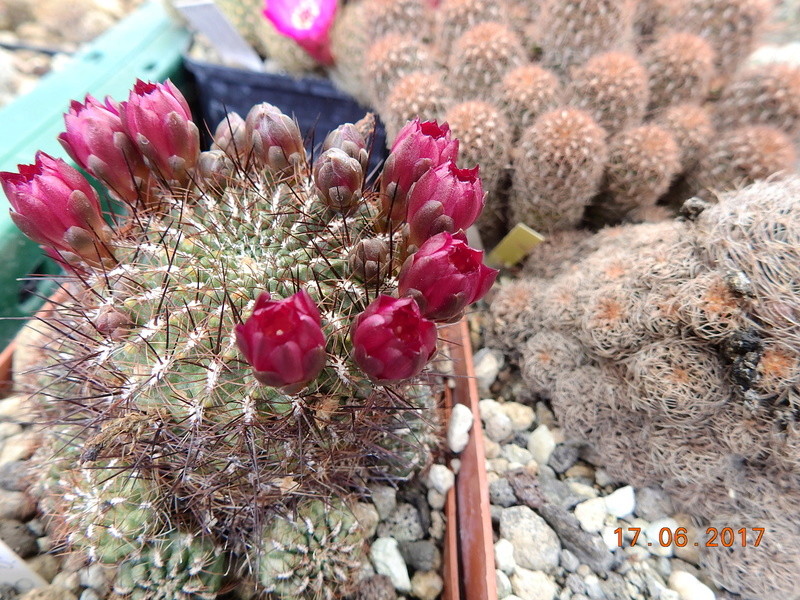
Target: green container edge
<point>147,45</point>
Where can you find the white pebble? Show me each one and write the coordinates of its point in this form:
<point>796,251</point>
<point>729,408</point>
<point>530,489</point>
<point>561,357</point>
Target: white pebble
<point>533,585</point>
<point>441,478</point>
<point>503,584</point>
<point>654,535</point>
<point>498,427</point>
<point>387,560</point>
<point>488,407</point>
<point>488,363</point>
<point>689,587</point>
<point>458,430</point>
<point>541,444</point>
<point>504,556</point>
<point>621,502</point>
<point>522,416</point>
<point>591,514</point>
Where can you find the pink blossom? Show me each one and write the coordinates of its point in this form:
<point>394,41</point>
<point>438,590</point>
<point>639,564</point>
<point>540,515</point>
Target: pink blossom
<point>307,22</point>
<point>392,341</point>
<point>445,276</point>
<point>283,341</point>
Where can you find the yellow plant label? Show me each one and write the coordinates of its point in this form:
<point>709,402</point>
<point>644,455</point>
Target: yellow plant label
<point>514,246</point>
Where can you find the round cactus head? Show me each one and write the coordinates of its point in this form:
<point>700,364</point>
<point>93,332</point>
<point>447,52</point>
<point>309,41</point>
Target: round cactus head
<point>225,350</point>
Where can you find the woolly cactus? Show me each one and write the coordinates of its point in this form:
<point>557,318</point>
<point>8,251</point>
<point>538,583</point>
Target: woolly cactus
<point>680,68</point>
<point>767,95</point>
<point>612,88</point>
<point>691,128</point>
<point>732,27</point>
<point>642,162</point>
<point>480,59</point>
<point>558,169</point>
<point>242,344</point>
<point>741,156</point>
<point>390,59</point>
<point>527,92</point>
<point>456,17</point>
<point>418,94</point>
<point>680,367</point>
<point>571,32</point>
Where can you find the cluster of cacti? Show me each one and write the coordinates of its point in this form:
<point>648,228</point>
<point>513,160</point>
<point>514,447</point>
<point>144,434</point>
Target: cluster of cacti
<point>656,85</point>
<point>673,350</point>
<point>243,346</point>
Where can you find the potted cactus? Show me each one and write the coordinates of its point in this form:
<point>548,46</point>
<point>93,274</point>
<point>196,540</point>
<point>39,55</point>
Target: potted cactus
<point>250,343</point>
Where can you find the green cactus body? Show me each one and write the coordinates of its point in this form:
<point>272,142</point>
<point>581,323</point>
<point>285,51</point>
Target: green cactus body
<point>185,461</point>
<point>304,553</point>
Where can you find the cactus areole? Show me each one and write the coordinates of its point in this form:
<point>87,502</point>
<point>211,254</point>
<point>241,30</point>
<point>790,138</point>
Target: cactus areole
<point>235,360</point>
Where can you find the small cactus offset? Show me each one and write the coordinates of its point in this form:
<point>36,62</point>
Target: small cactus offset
<point>247,345</point>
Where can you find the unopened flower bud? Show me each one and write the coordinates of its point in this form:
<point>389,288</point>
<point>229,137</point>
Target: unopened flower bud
<point>444,199</point>
<point>97,140</point>
<point>54,205</point>
<point>392,341</point>
<point>418,147</point>
<point>157,118</point>
<point>113,323</point>
<point>283,341</point>
<point>445,276</point>
<point>347,137</point>
<point>369,260</point>
<point>275,138</point>
<point>231,137</point>
<point>215,169</point>
<point>338,178</point>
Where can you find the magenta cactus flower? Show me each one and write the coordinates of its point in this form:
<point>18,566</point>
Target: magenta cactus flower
<point>96,139</point>
<point>283,341</point>
<point>54,205</point>
<point>445,276</point>
<point>419,147</point>
<point>157,118</point>
<point>307,22</point>
<point>392,341</point>
<point>444,199</point>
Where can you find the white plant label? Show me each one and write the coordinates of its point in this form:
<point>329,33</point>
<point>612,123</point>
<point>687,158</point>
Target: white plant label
<point>14,571</point>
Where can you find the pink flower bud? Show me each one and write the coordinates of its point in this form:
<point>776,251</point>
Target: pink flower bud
<point>338,178</point>
<point>54,205</point>
<point>444,199</point>
<point>97,141</point>
<point>158,120</point>
<point>275,138</point>
<point>445,276</point>
<point>419,146</point>
<point>231,137</point>
<point>283,341</point>
<point>392,341</point>
<point>307,22</point>
<point>347,137</point>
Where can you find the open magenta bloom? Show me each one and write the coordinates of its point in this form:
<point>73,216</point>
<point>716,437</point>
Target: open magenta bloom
<point>158,120</point>
<point>97,141</point>
<point>54,205</point>
<point>307,22</point>
<point>392,341</point>
<point>444,199</point>
<point>419,147</point>
<point>445,276</point>
<point>283,341</point>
